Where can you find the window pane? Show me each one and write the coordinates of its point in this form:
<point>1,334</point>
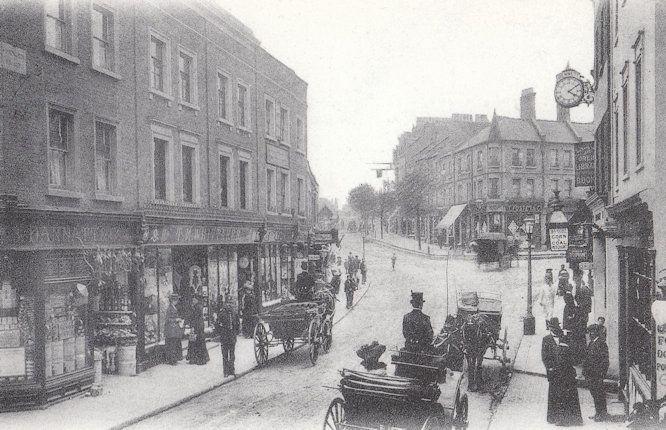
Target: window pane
<point>269,117</point>
<point>157,49</point>
<point>224,180</point>
<point>270,178</point>
<point>188,174</point>
<point>242,93</point>
<point>639,112</point>
<point>160,168</point>
<point>185,65</point>
<point>104,142</point>
<point>243,184</point>
<point>222,96</point>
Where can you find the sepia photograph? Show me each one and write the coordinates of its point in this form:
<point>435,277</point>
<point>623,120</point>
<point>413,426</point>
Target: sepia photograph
<point>337,215</point>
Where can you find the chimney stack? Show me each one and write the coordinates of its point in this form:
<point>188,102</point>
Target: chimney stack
<point>528,104</point>
<point>563,114</point>
<point>480,118</point>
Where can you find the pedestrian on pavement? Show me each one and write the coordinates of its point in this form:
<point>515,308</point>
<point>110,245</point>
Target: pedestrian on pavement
<point>583,296</point>
<point>574,326</point>
<point>601,322</point>
<point>357,267</point>
<point>364,271</point>
<point>595,367</point>
<point>248,309</point>
<point>546,296</point>
<point>349,290</point>
<point>227,326</point>
<point>563,281</point>
<point>196,350</point>
<point>416,326</point>
<point>393,258</point>
<point>563,403</point>
<point>173,332</point>
<point>347,267</point>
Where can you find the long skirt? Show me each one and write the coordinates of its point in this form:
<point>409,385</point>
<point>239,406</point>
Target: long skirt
<point>174,350</point>
<point>197,352</point>
<point>563,403</point>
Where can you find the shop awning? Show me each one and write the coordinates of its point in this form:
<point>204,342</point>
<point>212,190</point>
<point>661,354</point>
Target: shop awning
<point>450,217</point>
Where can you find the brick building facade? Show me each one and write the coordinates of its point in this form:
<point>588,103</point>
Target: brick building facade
<point>146,148</point>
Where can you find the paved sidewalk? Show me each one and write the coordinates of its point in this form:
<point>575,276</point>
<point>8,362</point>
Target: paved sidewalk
<point>126,400</point>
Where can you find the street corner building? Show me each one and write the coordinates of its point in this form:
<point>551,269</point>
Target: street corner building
<point>489,175</point>
<point>629,195</point>
<point>146,148</point>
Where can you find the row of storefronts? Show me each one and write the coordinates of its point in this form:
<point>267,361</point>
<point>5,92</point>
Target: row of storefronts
<point>73,282</point>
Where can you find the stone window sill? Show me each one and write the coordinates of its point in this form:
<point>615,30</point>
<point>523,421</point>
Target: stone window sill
<point>107,72</point>
<point>105,197</point>
<point>67,194</point>
<point>62,54</point>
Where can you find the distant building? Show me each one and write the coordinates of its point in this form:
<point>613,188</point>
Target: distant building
<point>490,176</point>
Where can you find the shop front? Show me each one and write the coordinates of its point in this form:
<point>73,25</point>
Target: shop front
<point>50,296</point>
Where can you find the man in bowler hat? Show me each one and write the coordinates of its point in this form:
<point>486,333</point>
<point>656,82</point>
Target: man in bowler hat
<point>595,367</point>
<point>416,325</point>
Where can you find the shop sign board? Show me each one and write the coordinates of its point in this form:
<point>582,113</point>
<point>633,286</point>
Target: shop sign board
<point>524,207</point>
<point>277,156</point>
<point>43,234</point>
<point>12,58</point>
<point>199,235</point>
<point>661,360</point>
<point>578,254</point>
<point>584,174</point>
<point>13,362</point>
<point>559,239</point>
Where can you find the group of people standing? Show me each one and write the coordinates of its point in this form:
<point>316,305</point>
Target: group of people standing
<point>354,266</point>
<point>174,331</point>
<point>565,347</point>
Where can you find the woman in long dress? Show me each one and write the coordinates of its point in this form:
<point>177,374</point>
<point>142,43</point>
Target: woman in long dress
<point>563,402</point>
<point>546,298</point>
<point>574,326</point>
<point>196,351</point>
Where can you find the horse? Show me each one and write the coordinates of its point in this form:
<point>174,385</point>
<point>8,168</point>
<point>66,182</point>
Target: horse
<point>477,336</point>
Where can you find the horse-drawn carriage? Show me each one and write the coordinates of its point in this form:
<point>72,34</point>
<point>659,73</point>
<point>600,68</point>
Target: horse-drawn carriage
<point>422,394</point>
<point>479,319</point>
<point>306,323</point>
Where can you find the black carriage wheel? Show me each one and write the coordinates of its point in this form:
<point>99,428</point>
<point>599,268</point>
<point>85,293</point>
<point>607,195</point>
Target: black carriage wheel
<point>260,344</point>
<point>327,336</point>
<point>288,344</point>
<point>460,413</point>
<point>313,340</point>
<point>433,422</point>
<point>335,416</point>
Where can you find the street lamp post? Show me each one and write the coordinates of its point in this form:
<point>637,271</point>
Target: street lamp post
<point>528,321</point>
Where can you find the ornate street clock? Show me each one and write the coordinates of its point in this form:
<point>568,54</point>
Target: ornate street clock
<point>571,88</point>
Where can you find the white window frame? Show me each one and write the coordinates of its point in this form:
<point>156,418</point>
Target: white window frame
<point>71,153</point>
<point>227,152</point>
<point>287,192</point>
<point>113,49</point>
<point>113,153</point>
<point>568,159</point>
<point>269,129</point>
<point>303,201</point>
<point>190,141</point>
<point>166,134</point>
<point>285,138</point>
<point>194,93</point>
<point>273,195</point>
<point>534,162</point>
<point>249,185</point>
<point>167,66</point>
<point>228,105</point>
<point>247,127</point>
<point>531,191</point>
<point>70,52</point>
<point>300,136</point>
<point>554,162</point>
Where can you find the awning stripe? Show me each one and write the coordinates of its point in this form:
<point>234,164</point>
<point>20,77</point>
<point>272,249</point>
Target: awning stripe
<point>450,217</point>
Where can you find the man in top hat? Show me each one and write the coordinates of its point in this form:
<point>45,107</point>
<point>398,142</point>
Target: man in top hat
<point>416,326</point>
<point>595,366</point>
<point>227,325</point>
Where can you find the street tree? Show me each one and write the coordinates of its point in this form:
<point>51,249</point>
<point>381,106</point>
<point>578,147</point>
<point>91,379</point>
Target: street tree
<point>412,194</point>
<point>363,200</point>
<point>386,203</point>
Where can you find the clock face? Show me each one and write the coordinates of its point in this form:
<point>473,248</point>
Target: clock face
<point>569,92</point>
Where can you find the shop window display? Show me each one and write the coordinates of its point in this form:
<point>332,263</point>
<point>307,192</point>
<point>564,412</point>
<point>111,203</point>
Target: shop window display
<point>17,334</point>
<point>157,288</point>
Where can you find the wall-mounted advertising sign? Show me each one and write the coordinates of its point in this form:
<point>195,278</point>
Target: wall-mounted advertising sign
<point>559,239</point>
<point>584,174</point>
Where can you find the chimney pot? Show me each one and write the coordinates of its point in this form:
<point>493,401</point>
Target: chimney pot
<point>528,104</point>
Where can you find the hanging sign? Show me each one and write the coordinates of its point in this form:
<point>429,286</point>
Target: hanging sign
<point>584,173</point>
<point>559,239</point>
<point>661,357</point>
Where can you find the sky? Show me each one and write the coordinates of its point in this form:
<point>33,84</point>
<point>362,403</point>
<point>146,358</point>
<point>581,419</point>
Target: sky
<point>373,66</point>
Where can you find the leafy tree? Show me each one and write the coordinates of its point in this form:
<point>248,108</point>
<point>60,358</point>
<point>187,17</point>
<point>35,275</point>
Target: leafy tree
<point>386,202</point>
<point>412,193</point>
<point>363,200</point>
